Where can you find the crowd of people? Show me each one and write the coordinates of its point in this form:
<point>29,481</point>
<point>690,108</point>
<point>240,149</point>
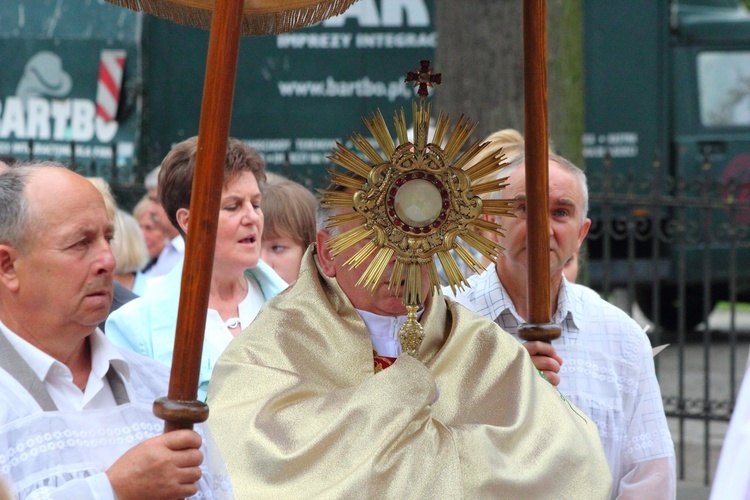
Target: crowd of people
<point>309,393</point>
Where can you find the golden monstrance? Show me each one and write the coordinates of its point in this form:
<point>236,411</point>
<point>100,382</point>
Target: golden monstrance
<point>415,202</point>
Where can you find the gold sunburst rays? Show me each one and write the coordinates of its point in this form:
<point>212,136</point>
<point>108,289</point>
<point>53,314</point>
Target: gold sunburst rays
<point>342,242</point>
<point>463,129</point>
<point>487,166</point>
<point>373,274</point>
<point>488,226</point>
<point>345,158</point>
<point>345,218</point>
<point>503,208</point>
<point>344,180</point>
<point>367,148</point>
<point>379,130</point>
<point>414,203</point>
<point>399,278</point>
<point>332,199</point>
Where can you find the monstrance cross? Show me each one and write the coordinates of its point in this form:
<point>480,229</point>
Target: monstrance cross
<point>423,78</point>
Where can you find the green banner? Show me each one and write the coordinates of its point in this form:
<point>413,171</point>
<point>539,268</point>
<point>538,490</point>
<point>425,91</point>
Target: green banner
<point>296,94</point>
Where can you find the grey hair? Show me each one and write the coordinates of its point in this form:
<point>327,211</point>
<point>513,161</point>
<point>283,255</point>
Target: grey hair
<point>322,214</point>
<point>17,222</point>
<point>151,181</point>
<point>128,245</point>
<point>579,174</point>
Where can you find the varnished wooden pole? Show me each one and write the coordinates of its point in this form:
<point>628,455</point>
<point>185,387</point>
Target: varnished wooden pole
<point>180,409</point>
<point>539,326</point>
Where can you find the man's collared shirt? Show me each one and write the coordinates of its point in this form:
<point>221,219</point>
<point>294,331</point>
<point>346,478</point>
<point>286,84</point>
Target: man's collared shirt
<point>58,379</point>
<point>607,370</point>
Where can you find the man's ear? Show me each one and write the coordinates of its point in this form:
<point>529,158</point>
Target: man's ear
<point>8,275</point>
<point>583,231</point>
<point>183,215</point>
<point>324,254</point>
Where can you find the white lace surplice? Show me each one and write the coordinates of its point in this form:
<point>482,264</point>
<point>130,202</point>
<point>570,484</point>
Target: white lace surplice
<point>61,454</point>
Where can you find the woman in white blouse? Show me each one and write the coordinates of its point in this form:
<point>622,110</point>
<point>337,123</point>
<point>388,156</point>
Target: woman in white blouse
<point>240,281</point>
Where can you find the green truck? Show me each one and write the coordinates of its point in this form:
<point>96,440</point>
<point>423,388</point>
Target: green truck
<point>667,146</point>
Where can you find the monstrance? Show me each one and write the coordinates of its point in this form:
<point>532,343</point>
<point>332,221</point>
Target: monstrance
<point>415,203</point>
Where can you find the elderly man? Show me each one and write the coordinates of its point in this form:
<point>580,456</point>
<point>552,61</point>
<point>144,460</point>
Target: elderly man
<point>608,369</point>
<point>174,249</point>
<point>75,411</point>
<point>314,400</point>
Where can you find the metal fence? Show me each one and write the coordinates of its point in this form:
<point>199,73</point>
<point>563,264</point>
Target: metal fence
<point>674,252</point>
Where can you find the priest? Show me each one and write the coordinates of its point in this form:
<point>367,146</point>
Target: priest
<point>355,382</point>
<point>315,400</point>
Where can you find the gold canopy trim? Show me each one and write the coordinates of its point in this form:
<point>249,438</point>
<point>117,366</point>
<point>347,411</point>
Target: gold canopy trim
<point>260,17</point>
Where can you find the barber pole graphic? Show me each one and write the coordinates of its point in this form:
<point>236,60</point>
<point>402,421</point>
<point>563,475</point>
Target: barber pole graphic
<point>111,67</point>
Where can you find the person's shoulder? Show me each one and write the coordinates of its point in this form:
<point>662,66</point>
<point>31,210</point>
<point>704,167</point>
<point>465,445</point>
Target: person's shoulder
<point>137,323</point>
<point>607,315</point>
<point>475,285</point>
<point>149,378</point>
<point>583,292</point>
<point>593,301</point>
<point>476,323</point>
<point>127,314</point>
<point>141,362</point>
<point>121,296</point>
<point>163,294</point>
<point>269,280</point>
<point>15,401</point>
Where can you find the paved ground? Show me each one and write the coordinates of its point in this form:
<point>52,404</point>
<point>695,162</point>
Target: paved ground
<point>692,491</point>
<point>707,376</point>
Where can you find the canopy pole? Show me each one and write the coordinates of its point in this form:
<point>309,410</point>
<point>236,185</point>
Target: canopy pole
<point>180,409</point>
<point>539,325</point>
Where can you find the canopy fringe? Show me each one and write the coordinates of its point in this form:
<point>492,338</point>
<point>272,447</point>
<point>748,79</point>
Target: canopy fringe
<point>256,21</point>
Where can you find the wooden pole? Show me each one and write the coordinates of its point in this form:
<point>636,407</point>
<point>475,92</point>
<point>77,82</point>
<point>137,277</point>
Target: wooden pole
<point>180,409</point>
<point>539,326</point>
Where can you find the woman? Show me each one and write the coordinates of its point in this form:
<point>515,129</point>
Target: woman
<point>130,251</point>
<point>240,281</point>
<point>155,238</point>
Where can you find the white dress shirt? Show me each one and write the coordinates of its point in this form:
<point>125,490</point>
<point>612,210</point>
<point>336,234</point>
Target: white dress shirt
<point>58,379</point>
<point>172,253</point>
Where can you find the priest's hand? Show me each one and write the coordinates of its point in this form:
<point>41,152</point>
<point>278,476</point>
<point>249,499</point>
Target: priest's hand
<point>163,467</point>
<point>545,359</point>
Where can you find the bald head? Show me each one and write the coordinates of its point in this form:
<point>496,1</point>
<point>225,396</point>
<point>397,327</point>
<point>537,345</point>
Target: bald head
<point>53,193</point>
<point>31,197</point>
